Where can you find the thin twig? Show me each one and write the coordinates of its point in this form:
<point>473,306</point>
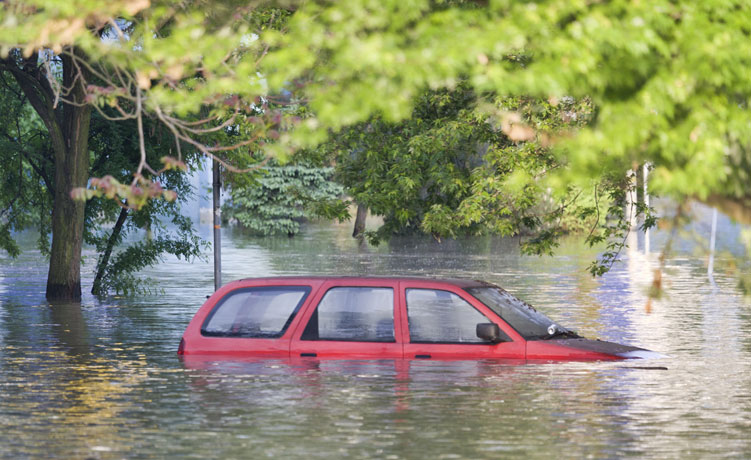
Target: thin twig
<point>189,123</point>
<point>206,150</point>
<point>141,143</point>
<point>597,208</point>
<point>185,125</point>
<point>119,31</point>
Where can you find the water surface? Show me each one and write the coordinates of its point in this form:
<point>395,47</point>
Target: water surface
<point>103,380</point>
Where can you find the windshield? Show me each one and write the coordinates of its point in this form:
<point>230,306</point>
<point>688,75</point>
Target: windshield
<point>520,315</point>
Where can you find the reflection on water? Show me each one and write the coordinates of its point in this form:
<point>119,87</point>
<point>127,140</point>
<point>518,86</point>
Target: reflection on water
<point>103,380</point>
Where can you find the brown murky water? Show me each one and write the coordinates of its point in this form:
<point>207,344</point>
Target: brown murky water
<point>103,380</point>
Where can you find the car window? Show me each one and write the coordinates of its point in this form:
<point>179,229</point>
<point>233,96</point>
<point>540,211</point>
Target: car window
<point>259,312</point>
<point>437,316</point>
<point>361,314</point>
<point>527,321</point>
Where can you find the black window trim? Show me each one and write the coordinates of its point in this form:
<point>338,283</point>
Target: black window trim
<point>306,289</point>
<point>349,340</point>
<point>424,342</point>
<point>487,344</point>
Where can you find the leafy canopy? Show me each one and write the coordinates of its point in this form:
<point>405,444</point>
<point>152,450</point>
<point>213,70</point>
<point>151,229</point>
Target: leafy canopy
<point>668,79</point>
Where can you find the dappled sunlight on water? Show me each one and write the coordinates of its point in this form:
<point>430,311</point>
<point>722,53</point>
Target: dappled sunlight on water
<point>103,380</point>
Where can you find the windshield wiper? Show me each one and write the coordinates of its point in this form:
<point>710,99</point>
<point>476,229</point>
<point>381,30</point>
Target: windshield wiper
<point>560,333</point>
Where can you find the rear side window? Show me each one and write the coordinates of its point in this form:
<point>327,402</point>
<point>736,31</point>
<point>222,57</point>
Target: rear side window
<point>437,316</point>
<point>258,312</point>
<point>355,314</point>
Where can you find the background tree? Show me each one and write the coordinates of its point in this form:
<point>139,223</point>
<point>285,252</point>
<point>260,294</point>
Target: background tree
<point>465,163</point>
<point>28,185</point>
<point>281,197</point>
<point>67,126</point>
<point>128,239</point>
<point>178,62</point>
<point>399,170</point>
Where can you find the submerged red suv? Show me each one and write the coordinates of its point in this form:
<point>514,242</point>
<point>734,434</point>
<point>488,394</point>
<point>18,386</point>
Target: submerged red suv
<point>377,318</point>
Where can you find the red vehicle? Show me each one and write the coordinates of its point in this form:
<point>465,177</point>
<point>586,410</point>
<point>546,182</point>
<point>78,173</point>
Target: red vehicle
<point>383,318</point>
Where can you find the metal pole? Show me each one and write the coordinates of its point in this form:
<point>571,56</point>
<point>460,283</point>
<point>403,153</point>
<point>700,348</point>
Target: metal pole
<point>645,172</point>
<point>712,237</point>
<point>217,189</point>
<point>631,198</point>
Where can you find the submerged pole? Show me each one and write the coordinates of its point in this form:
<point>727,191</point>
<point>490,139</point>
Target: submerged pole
<point>217,188</point>
<point>645,172</point>
<point>712,237</point>
<point>631,198</point>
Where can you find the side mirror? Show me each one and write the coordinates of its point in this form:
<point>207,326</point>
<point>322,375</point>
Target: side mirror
<point>489,332</point>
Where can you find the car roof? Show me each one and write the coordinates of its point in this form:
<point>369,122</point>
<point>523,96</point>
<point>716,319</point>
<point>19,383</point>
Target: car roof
<point>458,282</point>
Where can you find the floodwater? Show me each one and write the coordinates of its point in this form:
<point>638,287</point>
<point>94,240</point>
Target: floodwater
<point>103,380</point>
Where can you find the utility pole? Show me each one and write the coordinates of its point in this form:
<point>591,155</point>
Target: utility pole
<point>217,189</point>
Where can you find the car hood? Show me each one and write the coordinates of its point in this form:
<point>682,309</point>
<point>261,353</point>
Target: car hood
<point>581,348</point>
<point>608,348</point>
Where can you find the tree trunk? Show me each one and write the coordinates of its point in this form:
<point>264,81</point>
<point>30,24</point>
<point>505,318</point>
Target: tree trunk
<point>71,171</point>
<point>362,213</point>
<point>67,121</point>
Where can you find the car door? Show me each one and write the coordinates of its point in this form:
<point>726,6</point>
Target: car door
<point>352,318</point>
<point>442,324</point>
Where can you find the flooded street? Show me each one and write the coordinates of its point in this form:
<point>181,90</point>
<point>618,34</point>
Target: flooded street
<point>104,381</point>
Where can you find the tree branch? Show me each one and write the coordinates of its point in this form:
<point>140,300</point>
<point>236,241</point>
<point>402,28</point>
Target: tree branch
<point>101,268</point>
<point>39,94</point>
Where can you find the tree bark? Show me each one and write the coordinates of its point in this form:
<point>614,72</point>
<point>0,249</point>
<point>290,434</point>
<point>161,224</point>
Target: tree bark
<point>71,170</point>
<point>362,213</point>
<point>68,125</point>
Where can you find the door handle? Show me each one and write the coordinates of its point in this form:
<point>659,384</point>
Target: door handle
<point>308,355</point>
<point>423,356</point>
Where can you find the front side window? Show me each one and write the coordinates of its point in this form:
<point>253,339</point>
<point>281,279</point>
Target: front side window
<point>437,316</point>
<point>258,312</point>
<point>359,314</point>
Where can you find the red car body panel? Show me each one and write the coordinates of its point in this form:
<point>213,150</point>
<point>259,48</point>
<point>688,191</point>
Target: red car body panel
<point>292,345</point>
<point>558,351</point>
